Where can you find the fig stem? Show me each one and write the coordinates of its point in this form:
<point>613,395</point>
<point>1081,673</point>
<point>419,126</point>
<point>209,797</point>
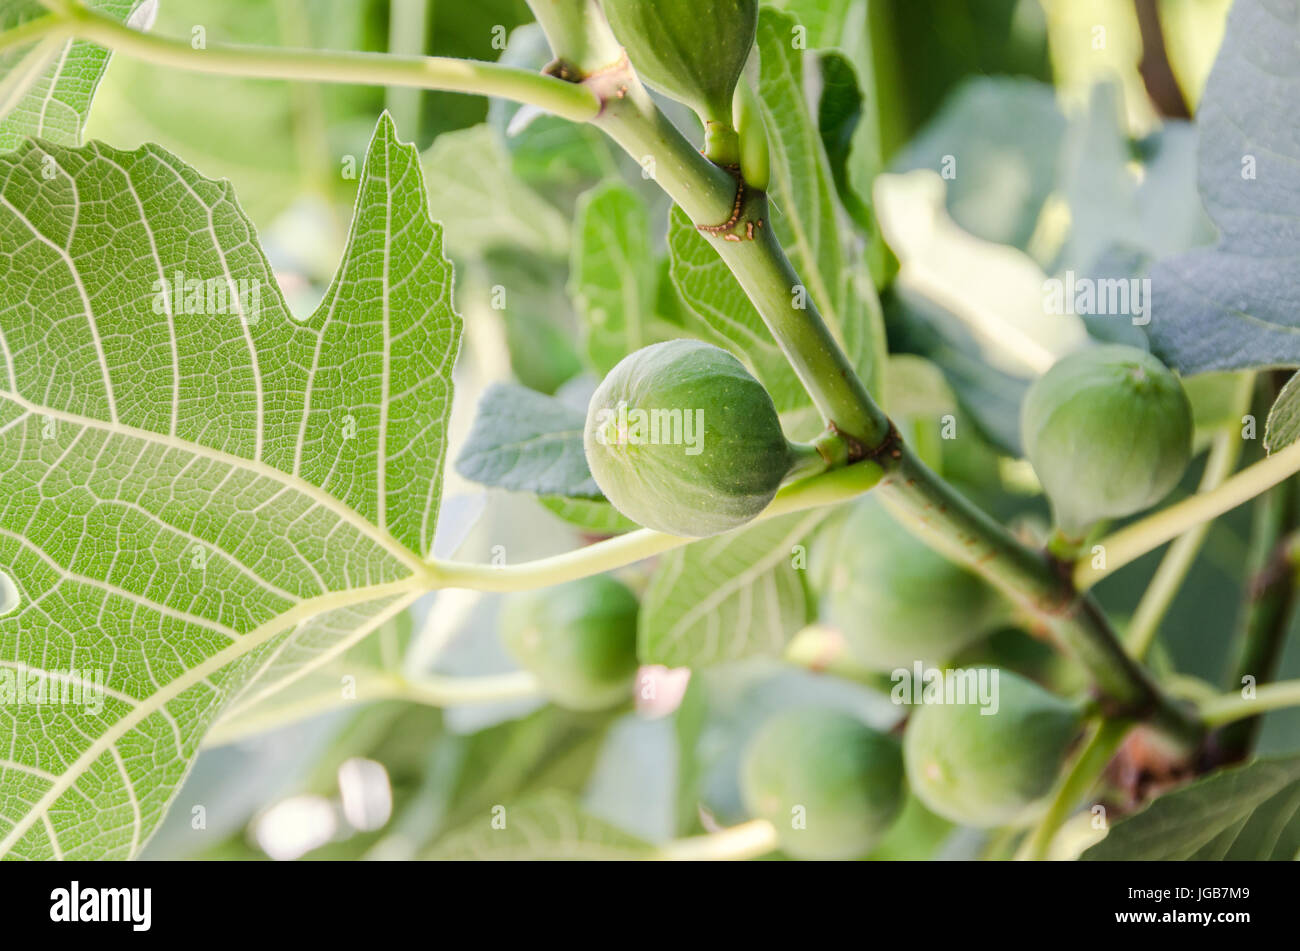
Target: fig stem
<point>721,144</point>
<point>1102,740</point>
<point>1140,537</point>
<point>807,459</point>
<point>1233,706</point>
<point>1159,594</point>
<point>577,32</point>
<point>568,100</point>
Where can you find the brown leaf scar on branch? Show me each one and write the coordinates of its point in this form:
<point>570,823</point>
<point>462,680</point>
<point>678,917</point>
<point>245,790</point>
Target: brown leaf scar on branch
<point>727,228</point>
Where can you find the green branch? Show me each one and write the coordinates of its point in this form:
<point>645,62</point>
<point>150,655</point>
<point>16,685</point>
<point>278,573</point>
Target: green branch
<point>829,488</point>
<point>1232,707</point>
<point>579,28</point>
<point>1159,595</point>
<point>427,72</point>
<point>42,27</point>
<point>954,526</point>
<point>1103,739</point>
<point>1135,540</point>
<point>708,194</point>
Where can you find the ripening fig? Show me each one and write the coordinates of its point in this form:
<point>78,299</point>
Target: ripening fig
<point>579,639</point>
<point>691,50</point>
<point>896,600</point>
<point>990,765</point>
<point>1109,433</point>
<point>829,784</point>
<point>682,439</point>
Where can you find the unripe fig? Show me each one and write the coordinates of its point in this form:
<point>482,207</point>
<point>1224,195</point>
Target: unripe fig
<point>682,439</point>
<point>691,50</point>
<point>982,768</point>
<point>896,600</point>
<point>830,784</point>
<point>1109,432</point>
<point>579,639</point>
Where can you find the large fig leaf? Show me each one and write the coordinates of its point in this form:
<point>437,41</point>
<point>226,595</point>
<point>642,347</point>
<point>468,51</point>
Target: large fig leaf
<point>196,490</point>
<point>1247,813</point>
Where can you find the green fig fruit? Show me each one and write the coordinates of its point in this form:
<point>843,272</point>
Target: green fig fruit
<point>895,599</point>
<point>829,784</point>
<point>1109,433</point>
<point>990,765</point>
<point>691,50</point>
<point>579,639</point>
<point>680,438</point>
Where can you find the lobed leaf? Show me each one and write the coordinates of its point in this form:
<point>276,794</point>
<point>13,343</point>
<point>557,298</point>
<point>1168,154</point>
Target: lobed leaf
<point>197,492</point>
<point>1283,426</point>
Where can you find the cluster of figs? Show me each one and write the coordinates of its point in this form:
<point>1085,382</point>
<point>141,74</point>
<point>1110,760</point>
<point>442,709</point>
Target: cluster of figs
<point>1108,431</point>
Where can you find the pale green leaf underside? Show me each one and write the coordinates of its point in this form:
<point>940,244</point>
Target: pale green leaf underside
<point>308,678</point>
<point>190,501</point>
<point>1249,813</point>
<point>725,598</point>
<point>550,825</point>
<point>613,276</point>
<point>46,89</point>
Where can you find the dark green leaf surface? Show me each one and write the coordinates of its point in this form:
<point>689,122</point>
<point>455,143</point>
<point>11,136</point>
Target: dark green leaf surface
<point>1250,812</point>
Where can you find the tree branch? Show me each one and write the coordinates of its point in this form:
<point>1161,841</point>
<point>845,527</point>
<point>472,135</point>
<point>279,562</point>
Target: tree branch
<point>428,72</point>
